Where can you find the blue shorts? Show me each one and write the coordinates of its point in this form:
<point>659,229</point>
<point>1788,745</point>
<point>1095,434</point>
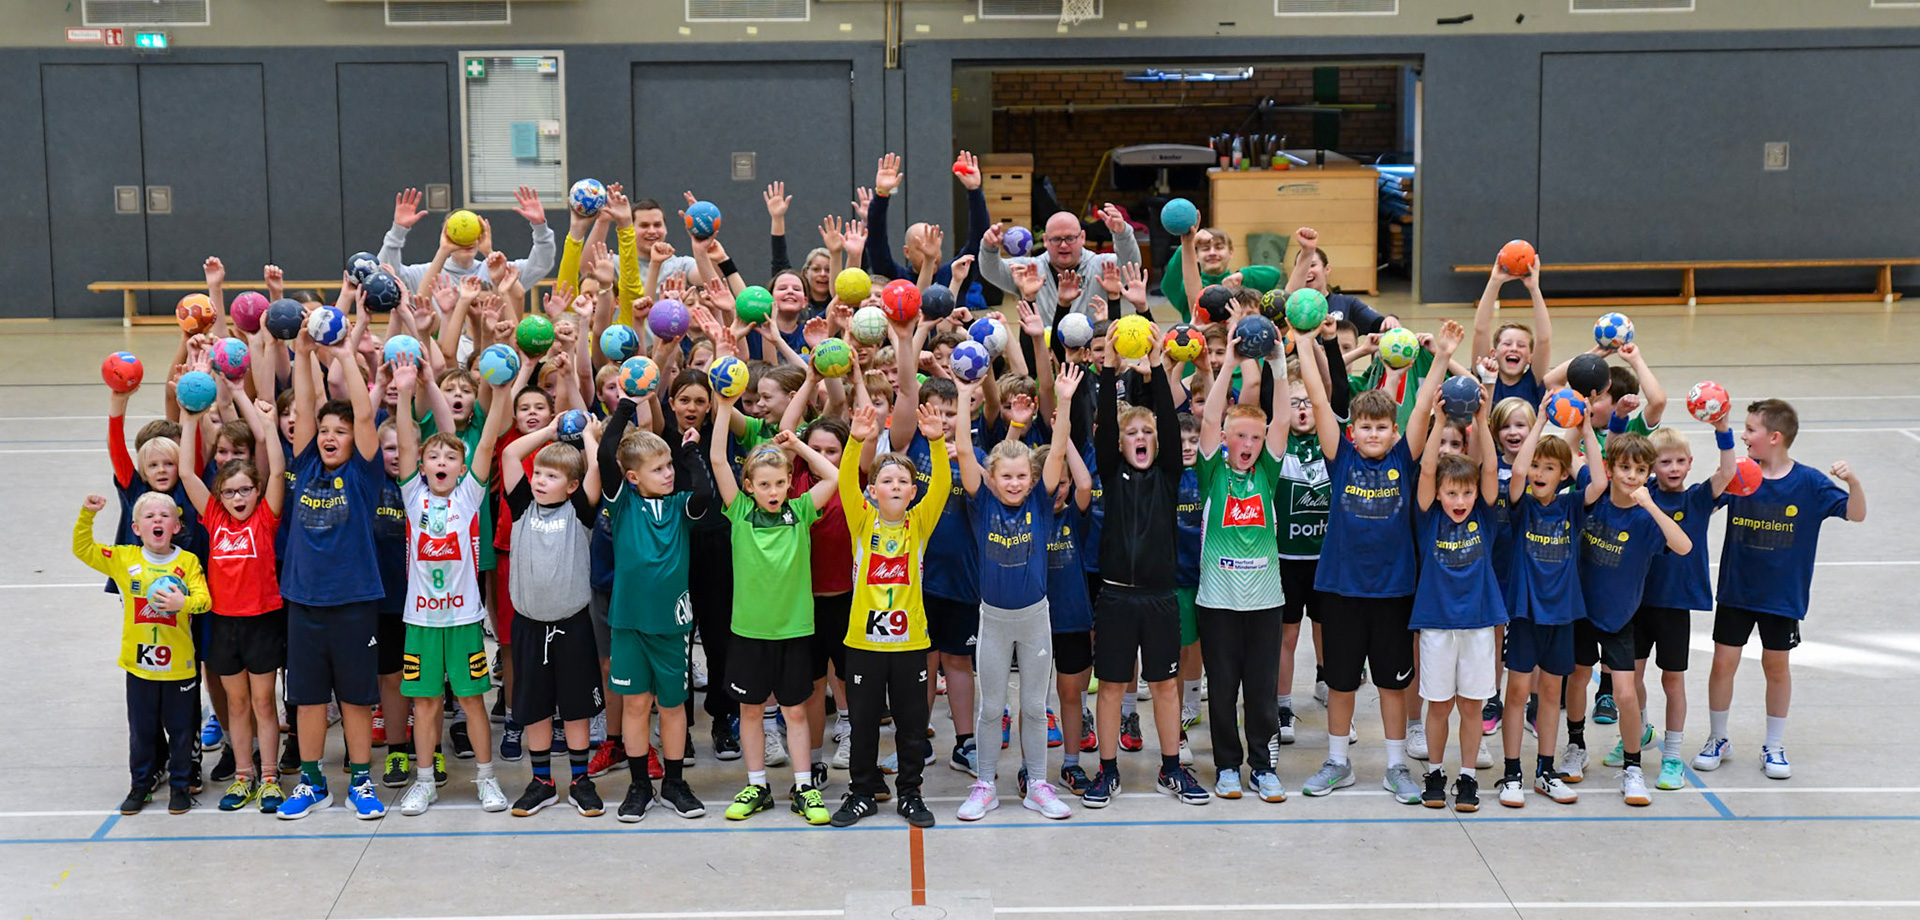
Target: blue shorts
<point>1530,645</point>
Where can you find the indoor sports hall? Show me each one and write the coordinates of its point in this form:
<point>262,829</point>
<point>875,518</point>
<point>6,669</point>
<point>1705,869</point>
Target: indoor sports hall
<point>1711,198</point>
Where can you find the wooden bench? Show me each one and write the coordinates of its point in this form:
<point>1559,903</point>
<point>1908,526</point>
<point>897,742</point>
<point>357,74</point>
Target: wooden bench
<point>130,308</point>
<point>1883,289</point>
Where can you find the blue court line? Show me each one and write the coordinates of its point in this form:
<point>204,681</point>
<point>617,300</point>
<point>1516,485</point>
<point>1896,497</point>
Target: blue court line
<point>1712,799</point>
<point>106,826</point>
<point>1447,820</point>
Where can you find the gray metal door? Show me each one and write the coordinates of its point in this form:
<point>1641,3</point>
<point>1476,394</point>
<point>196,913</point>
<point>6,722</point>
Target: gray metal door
<point>203,136</point>
<point>394,134</point>
<point>796,118</point>
<point>92,124</point>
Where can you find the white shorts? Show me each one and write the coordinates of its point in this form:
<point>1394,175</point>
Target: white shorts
<point>1457,663</point>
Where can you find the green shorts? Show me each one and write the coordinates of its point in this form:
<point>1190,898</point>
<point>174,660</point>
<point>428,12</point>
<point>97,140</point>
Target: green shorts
<point>650,663</point>
<point>1189,622</point>
<point>436,656</point>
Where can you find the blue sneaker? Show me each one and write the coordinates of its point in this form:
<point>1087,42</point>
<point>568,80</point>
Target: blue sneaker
<point>304,800</point>
<point>1006,728</point>
<point>210,733</point>
<point>1101,792</point>
<point>966,758</point>
<point>1605,712</point>
<point>366,805</point>
<point>510,749</point>
<point>1053,731</point>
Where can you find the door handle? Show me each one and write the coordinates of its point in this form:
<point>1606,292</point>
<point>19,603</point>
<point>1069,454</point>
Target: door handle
<point>126,199</point>
<point>159,199</point>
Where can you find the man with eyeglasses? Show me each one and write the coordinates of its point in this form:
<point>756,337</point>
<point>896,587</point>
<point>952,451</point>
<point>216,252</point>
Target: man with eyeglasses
<point>1066,251</point>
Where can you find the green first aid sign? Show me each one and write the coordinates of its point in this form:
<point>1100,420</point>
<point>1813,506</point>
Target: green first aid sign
<point>476,69</point>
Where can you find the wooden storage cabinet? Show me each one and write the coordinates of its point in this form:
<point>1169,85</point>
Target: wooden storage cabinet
<point>1338,202</point>
<point>1007,181</point>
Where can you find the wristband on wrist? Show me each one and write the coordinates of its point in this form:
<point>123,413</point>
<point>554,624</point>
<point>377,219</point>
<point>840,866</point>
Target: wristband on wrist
<point>1616,424</point>
<point>1723,439</point>
<point>726,268</point>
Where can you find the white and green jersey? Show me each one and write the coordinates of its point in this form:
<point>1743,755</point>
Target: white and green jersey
<point>1303,498</point>
<point>1238,566</point>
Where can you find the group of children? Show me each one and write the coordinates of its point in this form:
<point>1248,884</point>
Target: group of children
<point>361,516</point>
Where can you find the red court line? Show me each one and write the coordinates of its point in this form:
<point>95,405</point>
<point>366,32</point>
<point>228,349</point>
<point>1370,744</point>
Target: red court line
<point>917,863</point>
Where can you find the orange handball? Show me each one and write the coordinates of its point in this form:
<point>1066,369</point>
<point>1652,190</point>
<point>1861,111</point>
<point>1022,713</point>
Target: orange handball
<point>1517,258</point>
<point>194,313</point>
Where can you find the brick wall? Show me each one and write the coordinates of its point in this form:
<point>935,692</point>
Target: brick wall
<point>1067,146</point>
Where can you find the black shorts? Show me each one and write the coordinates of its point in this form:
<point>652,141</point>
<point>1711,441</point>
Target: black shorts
<point>1370,631</point>
<point>393,643</point>
<point>1296,587</point>
<point>952,626</point>
<point>1129,623</point>
<point>777,668</point>
<point>830,633</point>
<point>255,644</point>
<point>602,630</point>
<point>556,669</point>
<point>1666,629</point>
<point>202,633</point>
<point>1593,646</point>
<point>1734,625</point>
<point>1072,652</point>
<point>333,653</point>
<point>1531,645</point>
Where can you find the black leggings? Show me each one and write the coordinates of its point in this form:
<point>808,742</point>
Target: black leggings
<point>710,586</point>
<point>163,721</point>
<point>1241,651</point>
<point>872,679</point>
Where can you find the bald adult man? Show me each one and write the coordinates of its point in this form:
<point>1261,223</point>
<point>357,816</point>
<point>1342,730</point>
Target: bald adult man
<point>1066,251</point>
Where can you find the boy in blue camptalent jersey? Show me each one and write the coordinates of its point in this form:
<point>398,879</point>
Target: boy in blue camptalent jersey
<point>1676,586</point>
<point>1624,531</point>
<point>1071,610</point>
<point>1543,597</point>
<point>1367,567</point>
<point>1189,517</point>
<point>1766,569</point>
<point>1457,604</point>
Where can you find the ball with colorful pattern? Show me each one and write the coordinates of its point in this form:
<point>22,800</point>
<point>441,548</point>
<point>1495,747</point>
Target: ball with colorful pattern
<point>570,427</point>
<point>194,313</point>
<point>1612,330</point>
<point>669,319</point>
<point>1306,309</point>
<point>639,376</point>
<point>1398,347</point>
<point>326,325</point>
<point>703,219</point>
<point>166,583</point>
<point>1708,402</point>
<point>1182,342</point>
<point>1565,408</point>
<point>361,265</point>
<point>990,332</point>
<point>970,361</point>
<point>1017,241</point>
<point>833,358</point>
<point>587,197</point>
<point>497,364</point>
<point>1746,478</point>
<point>1216,304</point>
<point>230,357</point>
<point>619,342</point>
<point>869,325</point>
<point>535,334</point>
<point>729,377</point>
<point>1076,330</point>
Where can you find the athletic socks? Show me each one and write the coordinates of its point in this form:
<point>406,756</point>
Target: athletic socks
<point>1286,701</point>
<point>1072,758</point>
<point>670,767</point>
<point>1416,724</point>
<point>1776,731</point>
<point>483,770</point>
<point>803,778</point>
<point>1577,732</point>
<point>1717,722</point>
<point>359,771</point>
<point>1512,766</point>
<point>1629,759</point>
<point>1337,748</point>
<point>1543,765</point>
<point>1396,752</point>
<point>1169,763</point>
<point>310,772</point>
<point>1468,773</point>
<point>577,762</point>
<point>1111,765</point>
<point>817,755</point>
<point>1126,702</point>
<point>1670,744</point>
<point>543,764</point>
<point>756,777</point>
<point>960,741</point>
<point>424,774</point>
<point>618,744</point>
<point>1606,682</point>
<point>1190,698</point>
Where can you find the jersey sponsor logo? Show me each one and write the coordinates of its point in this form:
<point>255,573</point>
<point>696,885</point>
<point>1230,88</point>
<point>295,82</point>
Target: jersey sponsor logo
<point>444,548</point>
<point>1229,564</point>
<point>233,544</point>
<point>428,602</point>
<point>889,570</point>
<point>887,626</point>
<point>153,657</point>
<point>1249,511</point>
<point>1010,540</point>
<point>147,614</point>
<point>1314,531</point>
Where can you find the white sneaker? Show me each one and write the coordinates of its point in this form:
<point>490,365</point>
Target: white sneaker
<point>1485,759</point>
<point>597,728</point>
<point>1042,798</point>
<point>776,748</point>
<point>1513,792</point>
<point>1772,759</point>
<point>980,800</point>
<point>1203,688</point>
<point>1353,734</point>
<point>1553,786</point>
<point>1573,763</point>
<point>333,712</point>
<point>1633,787</point>
<point>1417,742</point>
<point>1189,716</point>
<point>418,797</point>
<point>699,675</point>
<point>491,798</point>
<point>1716,750</point>
<point>1320,692</point>
<point>1186,752</point>
<point>843,753</point>
<point>1142,692</point>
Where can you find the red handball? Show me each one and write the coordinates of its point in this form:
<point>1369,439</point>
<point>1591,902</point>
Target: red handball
<point>900,299</point>
<point>1746,477</point>
<point>960,168</point>
<point>122,372</point>
<point>1708,402</point>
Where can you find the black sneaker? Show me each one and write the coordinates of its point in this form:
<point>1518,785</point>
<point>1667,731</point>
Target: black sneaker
<point>399,770</point>
<point>686,759</point>
<point>679,797</point>
<point>1605,711</point>
<point>1181,785</point>
<point>439,769</point>
<point>225,767</point>
<point>1490,715</point>
<point>726,744</point>
<point>914,809</point>
<point>462,745</point>
<point>539,794</point>
<point>853,807</point>
<point>1466,793</point>
<point>137,798</point>
<point>1435,795</point>
<point>639,798</point>
<point>820,776</point>
<point>499,712</point>
<point>289,754</point>
<point>179,801</point>
<point>586,799</point>
<point>194,784</point>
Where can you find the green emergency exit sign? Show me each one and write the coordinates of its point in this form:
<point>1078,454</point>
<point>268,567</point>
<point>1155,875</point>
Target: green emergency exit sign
<point>150,41</point>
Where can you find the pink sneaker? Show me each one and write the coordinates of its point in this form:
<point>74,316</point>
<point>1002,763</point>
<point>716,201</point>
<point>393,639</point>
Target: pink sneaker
<point>980,800</point>
<point>1041,798</point>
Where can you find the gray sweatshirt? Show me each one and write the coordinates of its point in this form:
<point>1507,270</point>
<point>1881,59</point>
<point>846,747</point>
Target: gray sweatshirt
<point>533,269</point>
<point>550,575</point>
<point>994,268</point>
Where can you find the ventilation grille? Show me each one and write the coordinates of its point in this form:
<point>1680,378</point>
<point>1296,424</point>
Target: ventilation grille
<point>145,12</point>
<point>1630,6</point>
<point>1894,4</point>
<point>449,12</point>
<point>1336,7</point>
<point>1031,9</point>
<point>747,10</point>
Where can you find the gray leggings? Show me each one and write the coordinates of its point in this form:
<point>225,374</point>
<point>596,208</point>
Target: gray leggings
<point>1027,632</point>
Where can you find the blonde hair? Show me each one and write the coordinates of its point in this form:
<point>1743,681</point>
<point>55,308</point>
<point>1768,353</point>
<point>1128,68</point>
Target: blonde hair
<point>763,456</point>
<point>564,459</point>
<point>894,458</point>
<point>1247,411</point>
<point>1506,409</point>
<point>157,445</point>
<point>1665,439</point>
<point>1010,451</point>
<point>156,498</point>
<point>1132,414</point>
<point>638,447</point>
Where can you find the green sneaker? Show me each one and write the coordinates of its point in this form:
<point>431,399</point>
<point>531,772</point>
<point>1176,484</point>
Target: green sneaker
<point>1617,756</point>
<point>751,801</point>
<point>399,771</point>
<point>239,793</point>
<point>809,804</point>
<point>1672,774</point>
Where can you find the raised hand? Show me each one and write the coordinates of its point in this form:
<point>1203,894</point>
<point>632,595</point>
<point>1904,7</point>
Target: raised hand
<point>1069,286</point>
<point>621,209</point>
<point>863,427</point>
<point>932,420</point>
<point>862,199</point>
<point>856,234</point>
<point>1135,285</point>
<point>777,200</point>
<point>832,233</point>
<point>960,269</point>
<point>1030,322</point>
<point>216,272</point>
<point>886,176</point>
<point>276,281</point>
<point>527,205</point>
<point>1067,383</point>
<point>966,168</point>
<point>94,503</point>
<point>1026,276</point>
<point>1115,221</point>
<point>406,208</point>
<point>406,374</point>
<point>1451,335</point>
<point>1110,279</point>
<point>815,331</point>
<point>931,242</point>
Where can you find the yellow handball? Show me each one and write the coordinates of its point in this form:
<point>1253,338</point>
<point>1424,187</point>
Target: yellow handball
<point>852,286</point>
<point>1133,337</point>
<point>463,228</point>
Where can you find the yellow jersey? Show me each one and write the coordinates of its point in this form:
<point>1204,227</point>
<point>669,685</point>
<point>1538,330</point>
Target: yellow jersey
<point>155,644</point>
<point>887,614</point>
